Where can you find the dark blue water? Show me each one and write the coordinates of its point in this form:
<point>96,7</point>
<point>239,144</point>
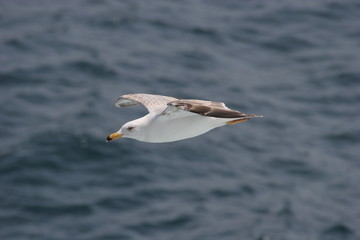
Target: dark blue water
<point>293,175</point>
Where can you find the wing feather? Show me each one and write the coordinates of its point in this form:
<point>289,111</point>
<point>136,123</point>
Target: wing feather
<point>170,106</point>
<point>150,101</point>
<point>205,108</point>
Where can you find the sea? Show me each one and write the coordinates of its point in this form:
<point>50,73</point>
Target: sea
<point>292,175</point>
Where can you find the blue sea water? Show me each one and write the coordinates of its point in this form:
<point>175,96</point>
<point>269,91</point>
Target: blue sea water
<point>293,175</point>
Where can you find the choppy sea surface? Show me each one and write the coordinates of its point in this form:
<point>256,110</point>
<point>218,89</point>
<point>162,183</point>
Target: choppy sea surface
<point>293,175</point>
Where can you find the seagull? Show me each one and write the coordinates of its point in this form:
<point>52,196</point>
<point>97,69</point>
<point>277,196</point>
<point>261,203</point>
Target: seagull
<point>172,119</point>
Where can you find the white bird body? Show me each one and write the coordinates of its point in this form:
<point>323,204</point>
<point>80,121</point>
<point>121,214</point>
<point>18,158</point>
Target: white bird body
<point>171,119</point>
<point>155,131</point>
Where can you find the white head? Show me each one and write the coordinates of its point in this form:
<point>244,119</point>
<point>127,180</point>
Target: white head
<point>128,130</point>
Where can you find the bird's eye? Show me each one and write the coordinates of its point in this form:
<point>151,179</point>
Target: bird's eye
<point>130,128</point>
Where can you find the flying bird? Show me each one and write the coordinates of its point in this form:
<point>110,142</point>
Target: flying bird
<point>171,119</point>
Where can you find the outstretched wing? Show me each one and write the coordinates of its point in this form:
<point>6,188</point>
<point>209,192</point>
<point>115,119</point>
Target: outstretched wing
<point>150,101</point>
<point>205,108</point>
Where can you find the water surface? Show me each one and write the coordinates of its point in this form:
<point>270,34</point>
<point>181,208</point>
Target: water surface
<point>293,175</point>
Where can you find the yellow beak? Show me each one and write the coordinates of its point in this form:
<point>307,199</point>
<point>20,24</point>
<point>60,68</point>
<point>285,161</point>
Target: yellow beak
<point>114,136</point>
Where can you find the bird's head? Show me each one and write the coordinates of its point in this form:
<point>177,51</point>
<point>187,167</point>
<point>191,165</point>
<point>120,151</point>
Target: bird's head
<point>128,130</point>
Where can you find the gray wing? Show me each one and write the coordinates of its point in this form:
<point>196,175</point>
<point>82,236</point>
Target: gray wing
<point>205,108</point>
<point>150,101</point>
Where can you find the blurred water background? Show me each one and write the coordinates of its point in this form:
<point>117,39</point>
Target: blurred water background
<point>293,175</point>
